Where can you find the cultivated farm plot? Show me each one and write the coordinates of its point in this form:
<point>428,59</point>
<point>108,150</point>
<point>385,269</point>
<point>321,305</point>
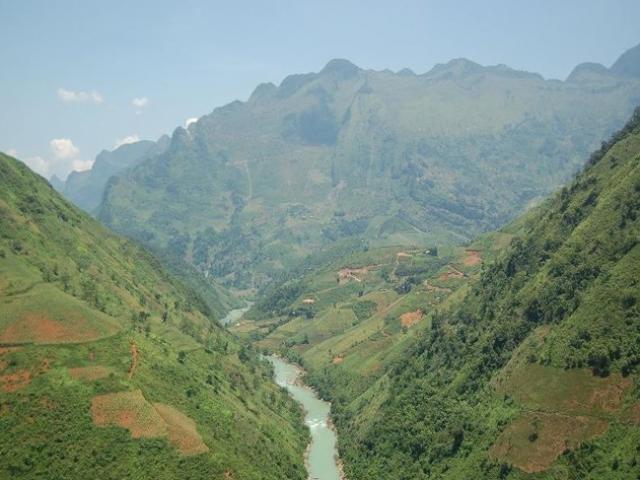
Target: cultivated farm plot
<point>560,409</point>
<point>47,315</point>
<point>182,431</point>
<point>128,410</point>
<point>534,440</point>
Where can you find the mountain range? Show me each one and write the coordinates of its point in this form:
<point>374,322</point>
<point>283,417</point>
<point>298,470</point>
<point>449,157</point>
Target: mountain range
<point>440,252</point>
<point>513,357</point>
<point>251,189</point>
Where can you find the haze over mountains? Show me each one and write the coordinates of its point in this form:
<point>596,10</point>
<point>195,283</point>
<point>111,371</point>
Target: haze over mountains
<point>442,269</point>
<point>86,188</point>
<point>395,158</point>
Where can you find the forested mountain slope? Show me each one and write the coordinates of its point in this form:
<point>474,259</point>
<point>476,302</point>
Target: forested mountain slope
<point>535,371</point>
<point>110,368</point>
<point>523,367</point>
<point>395,158</point>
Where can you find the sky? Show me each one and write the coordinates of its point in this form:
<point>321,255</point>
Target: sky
<point>82,76</point>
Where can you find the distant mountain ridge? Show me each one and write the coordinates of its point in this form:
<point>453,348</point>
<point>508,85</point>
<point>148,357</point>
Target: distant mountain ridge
<point>253,187</point>
<point>86,188</point>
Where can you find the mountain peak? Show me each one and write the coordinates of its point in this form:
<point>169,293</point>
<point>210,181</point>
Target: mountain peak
<point>263,90</point>
<point>587,70</point>
<point>341,67</point>
<point>406,72</point>
<point>628,65</point>
<point>457,66</point>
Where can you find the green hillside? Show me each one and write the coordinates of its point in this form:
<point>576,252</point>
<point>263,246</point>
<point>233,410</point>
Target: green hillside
<point>523,367</point>
<point>395,158</point>
<point>85,189</point>
<point>110,368</point>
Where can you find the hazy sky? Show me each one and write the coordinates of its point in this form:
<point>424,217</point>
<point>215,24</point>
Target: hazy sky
<point>80,76</point>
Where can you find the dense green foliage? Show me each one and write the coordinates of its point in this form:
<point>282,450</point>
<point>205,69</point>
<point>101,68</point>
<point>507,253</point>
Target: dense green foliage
<point>85,189</point>
<point>557,309</point>
<point>76,298</point>
<point>507,370</point>
<point>397,159</point>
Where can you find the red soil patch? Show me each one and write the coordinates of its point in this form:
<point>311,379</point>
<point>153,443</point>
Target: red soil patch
<point>472,258</point>
<point>452,273</point>
<point>128,410</point>
<point>131,410</point>
<point>346,274</point>
<point>411,318</point>
<point>338,359</point>
<point>90,373</point>
<point>400,255</point>
<point>134,359</point>
<point>3,365</point>
<point>40,328</point>
<point>533,441</point>
<point>15,381</point>
<point>183,432</point>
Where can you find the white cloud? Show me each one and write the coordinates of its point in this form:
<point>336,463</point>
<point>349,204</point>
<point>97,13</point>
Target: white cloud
<point>189,121</point>
<point>80,96</point>
<point>64,159</point>
<point>82,165</point>
<point>128,139</point>
<point>63,148</point>
<point>140,102</point>
<point>12,152</point>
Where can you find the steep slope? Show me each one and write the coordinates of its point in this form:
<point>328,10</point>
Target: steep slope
<point>86,188</point>
<point>407,159</point>
<point>526,367</point>
<point>534,372</point>
<point>110,368</point>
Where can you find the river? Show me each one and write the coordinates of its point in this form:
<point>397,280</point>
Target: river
<point>235,315</point>
<point>322,456</point>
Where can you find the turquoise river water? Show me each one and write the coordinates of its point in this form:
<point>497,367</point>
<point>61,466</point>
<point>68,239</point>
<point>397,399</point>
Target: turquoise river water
<point>322,457</point>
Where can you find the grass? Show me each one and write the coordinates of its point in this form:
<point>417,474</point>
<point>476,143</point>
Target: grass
<point>525,366</point>
<point>74,297</point>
